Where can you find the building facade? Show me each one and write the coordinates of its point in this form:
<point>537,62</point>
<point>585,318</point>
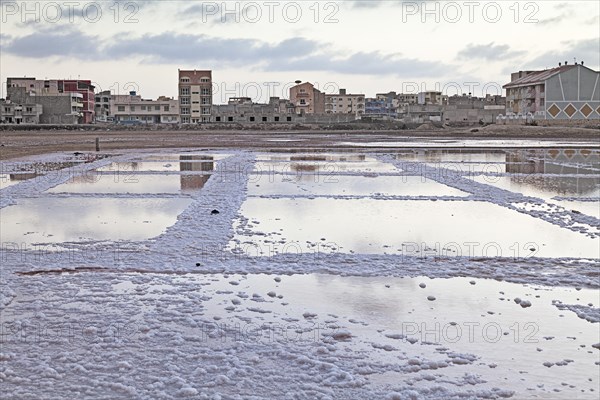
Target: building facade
<point>244,110</point>
<point>132,109</point>
<point>17,113</point>
<point>195,96</point>
<point>306,99</point>
<point>54,87</point>
<point>344,103</point>
<point>567,92</point>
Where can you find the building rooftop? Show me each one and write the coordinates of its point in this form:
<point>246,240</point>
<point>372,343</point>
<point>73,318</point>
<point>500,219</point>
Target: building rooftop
<point>537,77</point>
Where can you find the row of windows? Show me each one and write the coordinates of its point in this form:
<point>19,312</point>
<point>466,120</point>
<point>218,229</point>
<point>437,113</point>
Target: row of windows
<point>144,108</point>
<point>186,111</point>
<point>187,80</point>
<point>185,91</point>
<point>186,101</point>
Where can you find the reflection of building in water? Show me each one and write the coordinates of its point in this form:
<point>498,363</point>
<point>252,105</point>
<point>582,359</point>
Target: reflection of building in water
<point>193,182</point>
<point>23,177</point>
<point>330,158</point>
<point>563,162</point>
<point>198,164</point>
<point>553,161</point>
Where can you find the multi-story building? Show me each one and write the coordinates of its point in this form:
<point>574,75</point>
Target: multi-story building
<point>17,113</point>
<point>380,108</point>
<point>567,92</point>
<point>408,98</point>
<point>344,103</point>
<point>432,97</point>
<point>307,99</point>
<point>52,87</point>
<point>195,96</point>
<point>132,109</point>
<point>57,108</point>
<point>103,106</point>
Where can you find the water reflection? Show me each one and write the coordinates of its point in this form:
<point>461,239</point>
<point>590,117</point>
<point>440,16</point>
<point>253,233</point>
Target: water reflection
<point>553,161</point>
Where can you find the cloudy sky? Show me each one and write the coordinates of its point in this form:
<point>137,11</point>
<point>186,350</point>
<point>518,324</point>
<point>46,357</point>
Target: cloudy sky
<point>258,48</point>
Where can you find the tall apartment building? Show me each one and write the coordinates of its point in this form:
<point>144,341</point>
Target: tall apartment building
<point>306,99</point>
<point>195,96</point>
<point>344,103</point>
<point>52,87</point>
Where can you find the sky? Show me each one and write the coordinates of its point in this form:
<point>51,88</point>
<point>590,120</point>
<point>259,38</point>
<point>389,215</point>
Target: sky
<point>259,48</point>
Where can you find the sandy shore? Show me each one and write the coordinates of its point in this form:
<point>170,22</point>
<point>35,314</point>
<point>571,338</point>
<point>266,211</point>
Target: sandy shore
<point>16,144</point>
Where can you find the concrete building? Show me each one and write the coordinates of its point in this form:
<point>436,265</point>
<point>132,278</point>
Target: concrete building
<point>344,103</point>
<point>132,109</point>
<point>54,87</point>
<point>195,96</point>
<point>408,98</point>
<point>431,97</point>
<point>102,106</point>
<point>57,108</point>
<point>306,99</point>
<point>567,92</point>
<point>18,113</point>
<point>380,108</point>
<point>244,110</point>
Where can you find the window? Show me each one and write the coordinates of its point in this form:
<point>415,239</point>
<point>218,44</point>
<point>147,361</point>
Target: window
<point>97,99</point>
<point>302,102</point>
<point>276,119</point>
<point>185,120</point>
<point>121,108</point>
<point>205,100</point>
<point>205,92</point>
<point>131,108</point>
<point>302,91</point>
<point>195,92</point>
<point>205,80</point>
<point>205,110</point>
<point>185,91</point>
<point>230,119</point>
<point>185,110</point>
<point>184,100</point>
<point>185,79</point>
<point>29,109</point>
<point>289,119</point>
<point>166,108</point>
<point>143,108</point>
<point>264,119</point>
<point>252,119</point>
<point>218,119</point>
<point>156,108</point>
<point>195,102</point>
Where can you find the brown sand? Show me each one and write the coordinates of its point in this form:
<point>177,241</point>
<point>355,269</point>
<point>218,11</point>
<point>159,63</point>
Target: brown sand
<point>14,144</point>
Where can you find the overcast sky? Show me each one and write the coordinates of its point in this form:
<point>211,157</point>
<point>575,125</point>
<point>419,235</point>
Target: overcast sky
<point>258,48</point>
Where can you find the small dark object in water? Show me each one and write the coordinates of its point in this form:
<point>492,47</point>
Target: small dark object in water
<point>474,130</point>
<point>576,212</point>
<point>215,212</point>
<point>198,264</point>
<point>77,154</point>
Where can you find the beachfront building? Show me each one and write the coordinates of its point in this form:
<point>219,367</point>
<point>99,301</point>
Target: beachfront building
<point>566,92</point>
<point>244,111</point>
<point>195,96</point>
<point>345,103</point>
<point>61,88</point>
<point>133,109</point>
<point>307,99</point>
<point>18,113</point>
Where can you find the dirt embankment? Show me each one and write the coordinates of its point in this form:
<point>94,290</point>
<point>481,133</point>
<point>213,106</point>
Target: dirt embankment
<point>20,143</point>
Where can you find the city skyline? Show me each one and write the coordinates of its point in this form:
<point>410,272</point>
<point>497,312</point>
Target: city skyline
<point>257,50</point>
